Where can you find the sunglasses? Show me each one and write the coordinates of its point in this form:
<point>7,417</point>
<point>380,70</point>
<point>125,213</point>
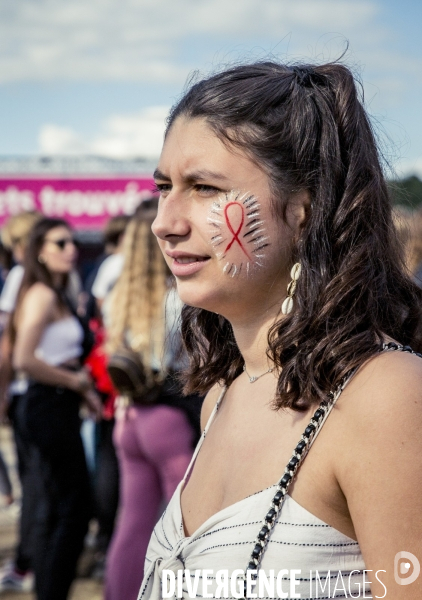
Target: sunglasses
<point>62,243</point>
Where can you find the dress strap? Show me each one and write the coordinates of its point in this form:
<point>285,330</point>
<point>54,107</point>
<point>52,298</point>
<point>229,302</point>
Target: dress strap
<point>309,435</point>
<point>204,433</point>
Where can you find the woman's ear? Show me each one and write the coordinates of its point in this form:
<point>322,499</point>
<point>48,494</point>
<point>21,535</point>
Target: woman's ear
<point>298,211</point>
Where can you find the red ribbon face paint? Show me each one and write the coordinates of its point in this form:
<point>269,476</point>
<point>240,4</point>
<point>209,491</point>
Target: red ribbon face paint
<point>238,232</point>
<point>234,215</point>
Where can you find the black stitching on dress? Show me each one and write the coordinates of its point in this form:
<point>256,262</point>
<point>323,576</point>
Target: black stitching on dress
<point>161,543</point>
<point>302,524</point>
<point>316,545</point>
<point>142,592</point>
<point>167,540</point>
<point>282,543</point>
<point>222,529</point>
<point>324,525</point>
<point>226,545</point>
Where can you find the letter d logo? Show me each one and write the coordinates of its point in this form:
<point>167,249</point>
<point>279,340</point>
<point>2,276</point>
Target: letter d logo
<point>401,568</point>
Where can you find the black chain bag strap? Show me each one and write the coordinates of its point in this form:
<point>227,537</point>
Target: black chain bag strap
<point>317,420</point>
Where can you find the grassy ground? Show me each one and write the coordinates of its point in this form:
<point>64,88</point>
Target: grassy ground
<point>83,589</point>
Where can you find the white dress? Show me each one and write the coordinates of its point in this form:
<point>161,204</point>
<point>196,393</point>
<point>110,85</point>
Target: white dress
<point>330,564</point>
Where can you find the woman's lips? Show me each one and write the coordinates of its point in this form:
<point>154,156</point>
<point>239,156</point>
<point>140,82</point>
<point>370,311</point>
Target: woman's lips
<point>183,265</point>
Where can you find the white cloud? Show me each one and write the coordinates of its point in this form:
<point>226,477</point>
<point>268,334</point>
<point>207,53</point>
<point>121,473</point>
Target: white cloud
<point>121,136</point>
<point>142,39</point>
<point>53,139</point>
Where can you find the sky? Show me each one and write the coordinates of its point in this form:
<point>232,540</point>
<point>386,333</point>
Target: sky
<point>99,77</point>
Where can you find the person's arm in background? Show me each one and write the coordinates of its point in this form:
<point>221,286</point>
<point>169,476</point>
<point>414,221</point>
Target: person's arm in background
<point>7,305</point>
<point>107,275</point>
<point>6,370</point>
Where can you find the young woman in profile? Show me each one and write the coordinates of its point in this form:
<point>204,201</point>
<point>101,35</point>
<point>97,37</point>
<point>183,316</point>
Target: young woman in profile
<point>48,343</point>
<point>275,219</point>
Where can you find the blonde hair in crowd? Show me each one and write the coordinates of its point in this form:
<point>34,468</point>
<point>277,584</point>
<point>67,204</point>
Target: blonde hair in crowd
<point>137,312</point>
<point>409,227</point>
<point>17,229</point>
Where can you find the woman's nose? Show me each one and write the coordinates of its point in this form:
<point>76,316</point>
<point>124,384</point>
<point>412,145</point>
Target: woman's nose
<point>171,220</point>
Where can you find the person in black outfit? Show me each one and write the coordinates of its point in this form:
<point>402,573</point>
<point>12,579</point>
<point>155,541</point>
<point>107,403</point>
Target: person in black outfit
<point>48,342</point>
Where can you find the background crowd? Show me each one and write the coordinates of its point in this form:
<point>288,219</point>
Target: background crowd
<point>89,384</point>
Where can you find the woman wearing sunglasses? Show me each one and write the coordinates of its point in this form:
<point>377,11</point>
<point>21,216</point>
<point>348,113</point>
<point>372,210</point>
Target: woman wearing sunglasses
<point>48,343</point>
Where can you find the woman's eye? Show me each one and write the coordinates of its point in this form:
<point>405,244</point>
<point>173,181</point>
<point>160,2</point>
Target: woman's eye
<point>161,188</point>
<point>200,188</point>
<point>207,190</point>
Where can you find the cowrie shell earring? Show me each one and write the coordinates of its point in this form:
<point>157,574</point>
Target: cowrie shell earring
<point>287,305</point>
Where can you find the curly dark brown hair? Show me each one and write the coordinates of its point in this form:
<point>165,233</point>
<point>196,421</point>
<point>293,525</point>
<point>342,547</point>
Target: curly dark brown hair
<point>306,126</point>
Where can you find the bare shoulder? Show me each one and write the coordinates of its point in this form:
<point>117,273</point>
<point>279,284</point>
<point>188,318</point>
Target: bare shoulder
<point>39,300</point>
<point>209,402</point>
<point>378,458</point>
<point>378,418</point>
<point>42,292</point>
<point>387,388</point>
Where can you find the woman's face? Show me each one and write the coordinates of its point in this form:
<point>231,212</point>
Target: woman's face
<point>215,225</point>
<point>58,252</point>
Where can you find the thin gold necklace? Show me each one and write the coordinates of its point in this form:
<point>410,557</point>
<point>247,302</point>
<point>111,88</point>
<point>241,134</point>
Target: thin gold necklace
<point>255,378</point>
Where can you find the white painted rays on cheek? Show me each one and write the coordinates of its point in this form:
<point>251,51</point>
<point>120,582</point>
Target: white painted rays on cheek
<point>237,232</point>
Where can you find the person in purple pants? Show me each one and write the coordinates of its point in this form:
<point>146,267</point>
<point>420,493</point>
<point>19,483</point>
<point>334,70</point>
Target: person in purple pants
<point>154,443</point>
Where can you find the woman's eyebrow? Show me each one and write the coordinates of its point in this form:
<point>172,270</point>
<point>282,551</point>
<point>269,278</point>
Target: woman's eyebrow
<point>160,175</point>
<point>201,175</point>
<point>204,175</point>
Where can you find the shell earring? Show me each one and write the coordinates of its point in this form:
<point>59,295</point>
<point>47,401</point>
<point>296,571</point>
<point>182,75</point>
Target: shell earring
<point>287,305</point>
<point>41,259</point>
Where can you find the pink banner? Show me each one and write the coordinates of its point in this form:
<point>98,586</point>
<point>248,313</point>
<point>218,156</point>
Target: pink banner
<point>86,203</point>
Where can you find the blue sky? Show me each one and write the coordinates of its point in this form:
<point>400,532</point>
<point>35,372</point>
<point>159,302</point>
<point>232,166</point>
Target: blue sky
<point>99,76</point>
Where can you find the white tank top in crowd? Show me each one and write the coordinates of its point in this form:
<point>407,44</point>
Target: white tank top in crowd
<point>61,341</point>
